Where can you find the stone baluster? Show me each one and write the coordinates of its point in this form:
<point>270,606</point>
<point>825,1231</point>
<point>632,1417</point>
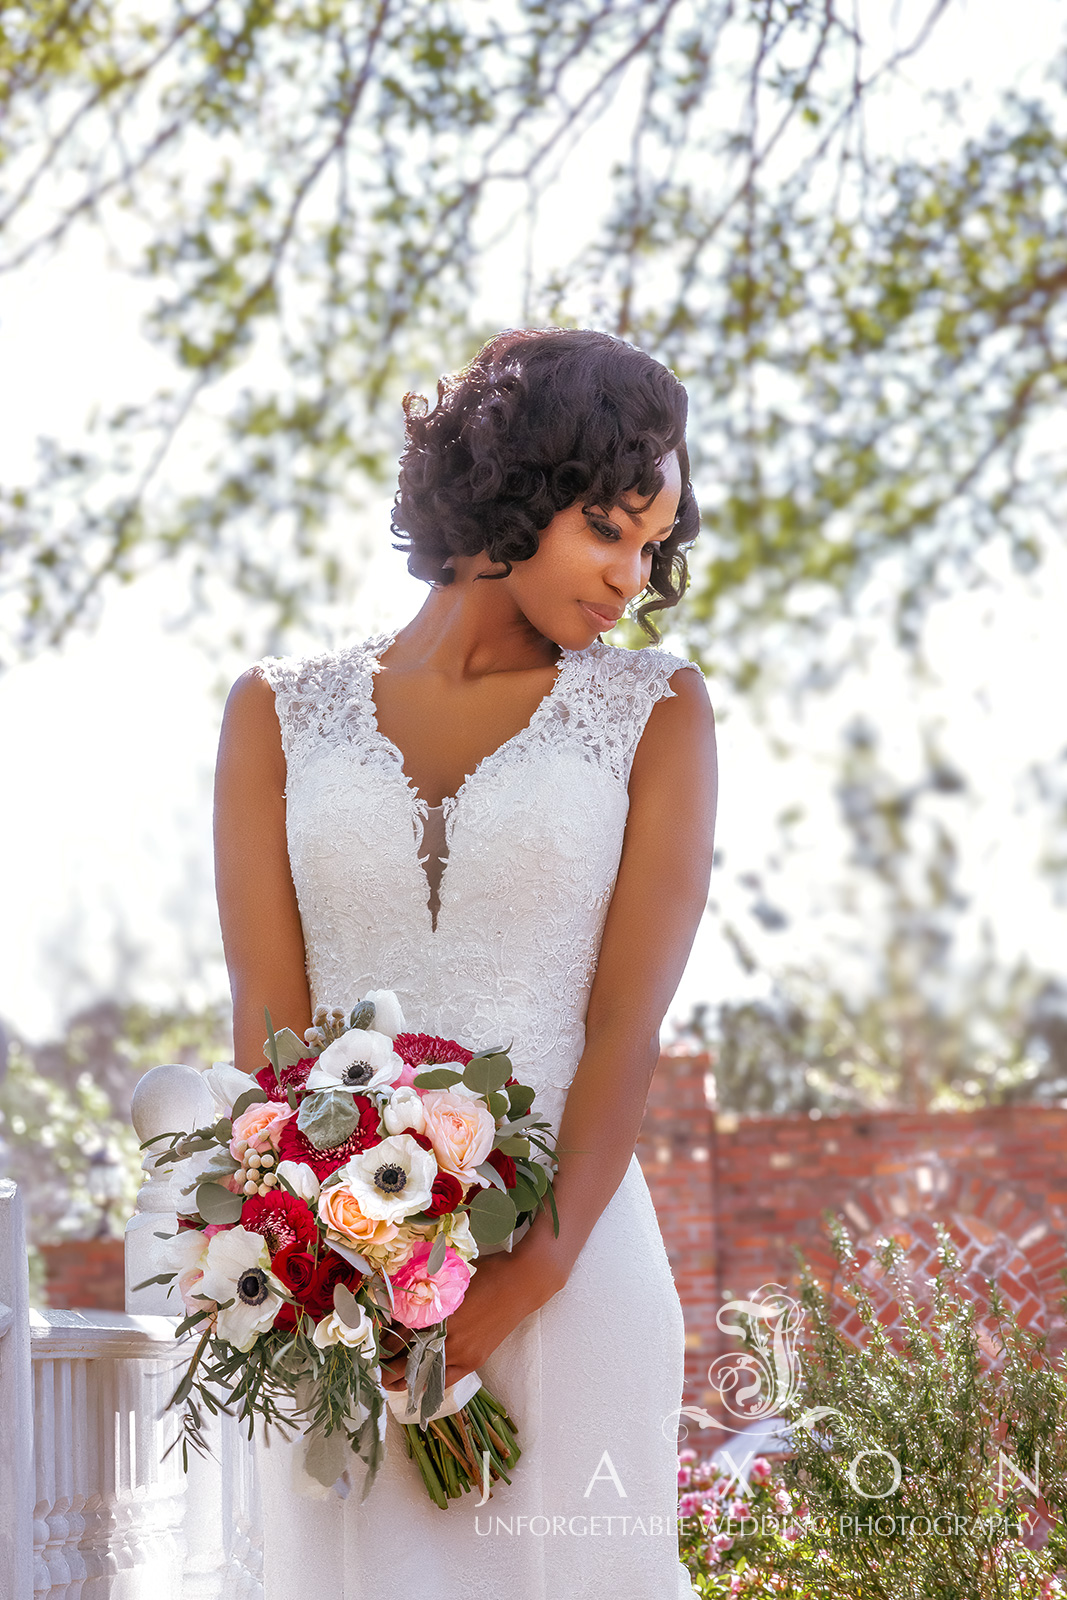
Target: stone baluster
<point>16,1403</point>
<point>167,1099</point>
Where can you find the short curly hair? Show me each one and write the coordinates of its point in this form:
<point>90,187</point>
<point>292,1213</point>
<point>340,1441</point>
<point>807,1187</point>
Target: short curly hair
<point>540,419</point>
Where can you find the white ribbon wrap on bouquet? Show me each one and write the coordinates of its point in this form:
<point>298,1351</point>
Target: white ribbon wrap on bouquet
<point>324,1466</point>
<point>454,1398</point>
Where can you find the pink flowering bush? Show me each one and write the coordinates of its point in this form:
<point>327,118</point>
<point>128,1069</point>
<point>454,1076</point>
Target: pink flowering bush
<point>728,1532</point>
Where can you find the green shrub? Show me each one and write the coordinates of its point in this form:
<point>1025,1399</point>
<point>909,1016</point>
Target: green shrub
<point>915,1473</point>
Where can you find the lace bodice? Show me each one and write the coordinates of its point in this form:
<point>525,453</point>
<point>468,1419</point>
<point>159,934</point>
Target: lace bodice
<point>532,842</point>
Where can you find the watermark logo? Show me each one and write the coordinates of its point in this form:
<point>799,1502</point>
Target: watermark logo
<point>757,1383</point>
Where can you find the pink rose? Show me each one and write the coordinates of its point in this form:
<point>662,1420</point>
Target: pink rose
<point>420,1300</point>
<point>260,1126</point>
<point>461,1130</point>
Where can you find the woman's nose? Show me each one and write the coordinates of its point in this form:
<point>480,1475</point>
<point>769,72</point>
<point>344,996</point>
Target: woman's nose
<point>625,572</point>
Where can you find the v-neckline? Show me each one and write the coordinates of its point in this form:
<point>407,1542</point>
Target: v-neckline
<point>375,648</point>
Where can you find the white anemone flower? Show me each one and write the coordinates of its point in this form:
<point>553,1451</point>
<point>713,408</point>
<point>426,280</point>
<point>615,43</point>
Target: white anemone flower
<point>392,1179</point>
<point>362,1059</point>
<point>388,1017</point>
<point>237,1268</point>
<point>227,1083</point>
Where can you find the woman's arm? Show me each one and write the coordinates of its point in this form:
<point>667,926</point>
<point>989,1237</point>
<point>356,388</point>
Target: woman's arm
<point>660,893</point>
<point>262,935</point>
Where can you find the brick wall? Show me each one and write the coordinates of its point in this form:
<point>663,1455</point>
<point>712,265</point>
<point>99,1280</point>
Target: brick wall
<point>85,1273</point>
<point>735,1195</point>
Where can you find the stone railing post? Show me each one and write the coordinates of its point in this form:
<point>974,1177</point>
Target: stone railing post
<point>221,1526</point>
<point>166,1099</point>
<point>16,1403</point>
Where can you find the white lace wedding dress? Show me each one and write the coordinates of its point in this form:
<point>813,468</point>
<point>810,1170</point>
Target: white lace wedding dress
<point>593,1379</point>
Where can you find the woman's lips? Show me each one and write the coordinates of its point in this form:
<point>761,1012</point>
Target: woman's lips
<point>602,620</point>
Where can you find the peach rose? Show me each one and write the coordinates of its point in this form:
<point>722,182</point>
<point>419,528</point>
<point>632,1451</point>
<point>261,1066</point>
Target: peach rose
<point>260,1126</point>
<point>461,1130</point>
<point>340,1215</point>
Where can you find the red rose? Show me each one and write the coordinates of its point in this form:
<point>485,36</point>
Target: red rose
<point>504,1165</point>
<point>425,1049</point>
<point>295,1267</point>
<point>332,1269</point>
<point>293,1146</point>
<point>419,1138</point>
<point>446,1195</point>
<point>281,1218</point>
<point>293,1077</point>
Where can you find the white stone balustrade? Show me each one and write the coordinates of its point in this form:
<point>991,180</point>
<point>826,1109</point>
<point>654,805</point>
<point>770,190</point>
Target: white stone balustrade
<point>89,1507</point>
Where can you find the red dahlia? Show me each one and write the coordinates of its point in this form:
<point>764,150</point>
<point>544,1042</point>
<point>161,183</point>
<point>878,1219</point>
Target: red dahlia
<point>425,1049</point>
<point>293,1077</point>
<point>281,1218</point>
<point>295,1146</point>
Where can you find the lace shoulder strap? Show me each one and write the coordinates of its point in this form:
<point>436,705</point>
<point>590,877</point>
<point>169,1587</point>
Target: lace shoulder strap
<point>620,688</point>
<point>312,694</point>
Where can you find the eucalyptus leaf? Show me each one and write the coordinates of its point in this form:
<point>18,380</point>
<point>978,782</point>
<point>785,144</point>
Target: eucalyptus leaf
<point>353,1257</point>
<point>251,1097</point>
<point>388,1289</point>
<point>437,1255</point>
<point>492,1216</point>
<point>516,1145</point>
<point>491,1175</point>
<point>437,1078</point>
<point>289,1048</point>
<point>216,1204</point>
<point>327,1118</point>
<point>521,1098</point>
<point>524,1194</point>
<point>499,1105</point>
<point>161,1277</point>
<point>347,1306</point>
<point>486,1073</point>
<point>362,1015</point>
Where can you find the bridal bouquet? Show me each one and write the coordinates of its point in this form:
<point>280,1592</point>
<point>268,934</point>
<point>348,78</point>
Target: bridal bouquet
<point>346,1187</point>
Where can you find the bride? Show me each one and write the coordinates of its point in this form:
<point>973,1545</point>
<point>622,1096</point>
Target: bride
<point>509,823</point>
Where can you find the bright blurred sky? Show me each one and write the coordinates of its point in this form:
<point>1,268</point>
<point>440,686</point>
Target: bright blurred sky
<point>106,812</point>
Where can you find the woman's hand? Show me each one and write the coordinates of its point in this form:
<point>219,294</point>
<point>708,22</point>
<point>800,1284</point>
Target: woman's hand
<point>505,1288</point>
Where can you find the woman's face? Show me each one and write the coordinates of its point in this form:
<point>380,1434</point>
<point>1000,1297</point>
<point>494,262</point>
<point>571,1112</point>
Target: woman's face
<point>589,566</point>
